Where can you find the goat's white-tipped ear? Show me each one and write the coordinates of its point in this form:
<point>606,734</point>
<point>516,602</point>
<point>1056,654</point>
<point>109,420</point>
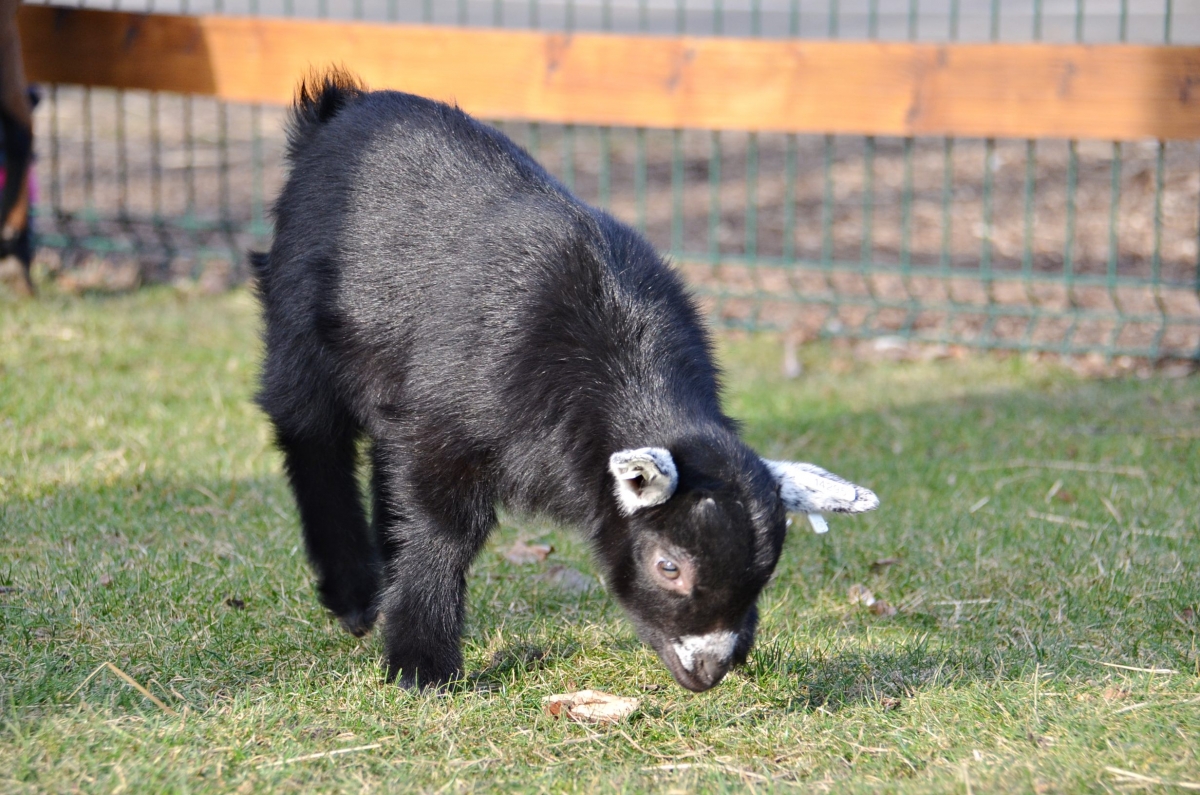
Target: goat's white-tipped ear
<point>806,488</point>
<point>645,476</point>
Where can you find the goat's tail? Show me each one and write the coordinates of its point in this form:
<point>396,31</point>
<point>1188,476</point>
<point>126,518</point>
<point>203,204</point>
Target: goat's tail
<point>259,263</point>
<point>319,98</point>
<point>260,269</point>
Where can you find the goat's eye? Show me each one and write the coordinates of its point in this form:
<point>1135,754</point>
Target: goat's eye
<point>669,569</point>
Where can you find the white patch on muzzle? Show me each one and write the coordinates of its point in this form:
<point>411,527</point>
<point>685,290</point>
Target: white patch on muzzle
<point>718,644</point>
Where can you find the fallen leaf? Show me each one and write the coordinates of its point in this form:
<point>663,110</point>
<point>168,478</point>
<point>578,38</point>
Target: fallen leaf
<point>590,706</point>
<point>1113,693</point>
<point>1064,496</point>
<point>881,608</point>
<point>881,564</point>
<point>523,553</point>
<point>860,594</point>
<point>1185,615</point>
<point>889,703</point>
<point>235,603</point>
<point>567,578</point>
<point>106,580</point>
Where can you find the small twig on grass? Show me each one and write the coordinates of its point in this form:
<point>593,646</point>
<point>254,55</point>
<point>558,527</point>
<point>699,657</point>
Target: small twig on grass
<point>631,741</point>
<point>1132,668</point>
<point>1053,517</point>
<point>321,755</point>
<point>89,678</point>
<point>297,619</point>
<point>1138,531</point>
<point>1067,466</point>
<point>1129,774</point>
<point>575,741</point>
<point>1182,433</point>
<point>207,493</point>
<point>958,605</point>
<point>1037,670</point>
<point>129,680</point>
<point>1112,509</point>
<point>677,767</point>
<point>867,749</point>
<point>172,690</point>
<point>1002,482</point>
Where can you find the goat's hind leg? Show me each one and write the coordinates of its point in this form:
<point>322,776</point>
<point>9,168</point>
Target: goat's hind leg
<point>323,475</point>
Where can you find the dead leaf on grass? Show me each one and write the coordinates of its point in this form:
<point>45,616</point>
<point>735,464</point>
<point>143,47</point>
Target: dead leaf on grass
<point>590,706</point>
<point>882,608</point>
<point>881,564</point>
<point>105,581</point>
<point>1113,693</point>
<point>567,578</point>
<point>860,594</point>
<point>889,703</point>
<point>523,553</point>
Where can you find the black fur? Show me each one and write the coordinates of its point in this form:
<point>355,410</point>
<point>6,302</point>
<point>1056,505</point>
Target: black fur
<point>16,155</point>
<point>433,288</point>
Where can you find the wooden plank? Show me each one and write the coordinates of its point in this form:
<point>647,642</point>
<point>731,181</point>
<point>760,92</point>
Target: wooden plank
<point>1107,92</point>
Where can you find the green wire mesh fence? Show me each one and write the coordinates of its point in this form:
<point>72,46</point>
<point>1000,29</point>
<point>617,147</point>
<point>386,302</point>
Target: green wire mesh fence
<point>1068,246</point>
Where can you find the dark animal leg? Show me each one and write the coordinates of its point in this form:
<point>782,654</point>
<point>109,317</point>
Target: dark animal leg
<point>17,121</point>
<point>322,475</point>
<point>431,545</point>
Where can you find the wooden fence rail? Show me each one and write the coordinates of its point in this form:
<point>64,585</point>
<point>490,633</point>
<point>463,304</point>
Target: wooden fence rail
<point>1108,92</point>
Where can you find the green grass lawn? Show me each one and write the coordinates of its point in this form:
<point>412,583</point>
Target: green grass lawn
<point>1044,530</point>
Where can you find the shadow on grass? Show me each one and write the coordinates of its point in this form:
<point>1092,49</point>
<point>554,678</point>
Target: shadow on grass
<point>513,662</point>
<point>224,540</point>
<point>810,678</point>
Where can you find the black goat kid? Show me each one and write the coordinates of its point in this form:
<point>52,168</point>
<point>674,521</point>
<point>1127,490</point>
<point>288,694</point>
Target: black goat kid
<point>500,342</point>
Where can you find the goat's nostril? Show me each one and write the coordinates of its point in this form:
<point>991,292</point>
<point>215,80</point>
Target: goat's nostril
<point>709,669</point>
